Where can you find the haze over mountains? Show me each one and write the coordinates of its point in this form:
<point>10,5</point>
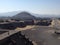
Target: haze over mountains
<point>10,14</point>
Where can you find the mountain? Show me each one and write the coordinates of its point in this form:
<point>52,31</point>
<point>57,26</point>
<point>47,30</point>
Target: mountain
<point>9,14</point>
<point>46,15</point>
<point>14,13</point>
<point>24,16</point>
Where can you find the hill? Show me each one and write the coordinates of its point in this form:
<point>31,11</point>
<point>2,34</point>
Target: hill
<point>23,16</point>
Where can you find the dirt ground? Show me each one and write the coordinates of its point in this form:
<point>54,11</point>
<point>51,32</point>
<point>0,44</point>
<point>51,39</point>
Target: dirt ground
<point>42,35</point>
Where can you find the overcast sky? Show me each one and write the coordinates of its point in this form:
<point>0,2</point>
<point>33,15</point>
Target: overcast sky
<point>34,6</point>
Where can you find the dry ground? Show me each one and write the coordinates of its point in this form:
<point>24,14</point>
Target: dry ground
<point>42,35</point>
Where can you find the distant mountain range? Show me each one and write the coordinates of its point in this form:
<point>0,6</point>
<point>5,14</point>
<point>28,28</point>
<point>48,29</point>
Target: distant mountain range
<point>25,15</point>
<point>9,14</point>
<point>17,15</point>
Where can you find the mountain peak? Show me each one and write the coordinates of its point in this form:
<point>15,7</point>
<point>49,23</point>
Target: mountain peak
<point>24,16</point>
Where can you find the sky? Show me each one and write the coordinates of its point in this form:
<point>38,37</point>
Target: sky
<point>34,6</point>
